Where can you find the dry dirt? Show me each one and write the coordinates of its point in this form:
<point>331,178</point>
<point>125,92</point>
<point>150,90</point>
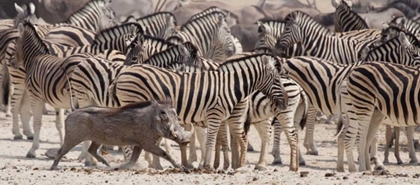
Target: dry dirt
<point>16,169</point>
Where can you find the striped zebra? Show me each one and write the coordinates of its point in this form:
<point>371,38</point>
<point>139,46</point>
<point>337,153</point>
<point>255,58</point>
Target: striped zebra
<point>96,15</point>
<point>389,93</point>
<point>43,87</point>
<point>211,103</point>
<point>315,38</point>
<point>409,25</point>
<point>261,114</point>
<point>160,24</point>
<point>323,90</point>
<point>346,19</point>
<point>210,34</point>
<point>26,12</point>
<point>143,47</point>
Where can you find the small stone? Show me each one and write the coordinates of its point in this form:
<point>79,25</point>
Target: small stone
<point>36,169</point>
<point>275,170</point>
<point>329,174</point>
<point>345,177</point>
<point>106,181</point>
<point>254,179</point>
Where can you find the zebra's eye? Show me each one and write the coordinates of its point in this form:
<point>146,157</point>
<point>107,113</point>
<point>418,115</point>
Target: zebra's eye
<point>134,59</point>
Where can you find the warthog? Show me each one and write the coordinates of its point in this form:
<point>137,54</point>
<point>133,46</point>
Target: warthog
<point>140,125</point>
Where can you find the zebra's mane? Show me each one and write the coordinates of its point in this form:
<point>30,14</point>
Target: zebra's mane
<point>205,12</point>
<point>157,39</point>
<point>86,9</point>
<point>304,20</point>
<point>116,31</point>
<point>354,14</point>
<point>31,29</point>
<point>156,14</point>
<point>207,16</point>
<point>411,38</point>
<point>243,59</point>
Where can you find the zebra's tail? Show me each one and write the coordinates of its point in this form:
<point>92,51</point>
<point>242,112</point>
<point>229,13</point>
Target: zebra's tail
<point>112,90</point>
<point>6,86</point>
<point>303,121</point>
<point>340,127</point>
<point>73,108</point>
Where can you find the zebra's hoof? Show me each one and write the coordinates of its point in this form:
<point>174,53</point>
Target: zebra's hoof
<point>88,163</point>
<point>387,162</point>
<point>260,168</point>
<point>302,163</point>
<point>277,162</point>
<point>18,137</point>
<point>250,149</point>
<point>340,169</point>
<point>399,162</point>
<point>30,155</point>
<point>380,168</point>
<point>30,138</point>
<point>314,152</point>
<point>413,162</point>
<point>8,115</point>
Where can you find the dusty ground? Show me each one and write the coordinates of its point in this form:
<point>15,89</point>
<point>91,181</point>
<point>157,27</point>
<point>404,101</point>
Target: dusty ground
<point>16,169</point>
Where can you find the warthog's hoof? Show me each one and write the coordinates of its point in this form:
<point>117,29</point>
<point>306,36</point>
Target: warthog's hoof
<point>380,168</point>
<point>314,152</point>
<point>54,168</point>
<point>413,161</point>
<point>277,162</point>
<point>30,155</point>
<point>302,163</point>
<point>8,115</point>
<point>260,168</point>
<point>88,163</point>
<point>18,137</point>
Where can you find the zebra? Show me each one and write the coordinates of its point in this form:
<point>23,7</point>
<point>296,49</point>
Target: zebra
<point>406,24</point>
<point>346,19</point>
<point>43,87</point>
<point>317,37</point>
<point>26,12</point>
<point>143,47</point>
<point>374,98</point>
<point>323,91</point>
<point>210,34</point>
<point>160,24</point>
<point>265,78</point>
<point>261,116</point>
<point>96,15</point>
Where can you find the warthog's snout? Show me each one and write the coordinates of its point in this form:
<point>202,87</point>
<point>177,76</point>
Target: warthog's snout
<point>185,138</point>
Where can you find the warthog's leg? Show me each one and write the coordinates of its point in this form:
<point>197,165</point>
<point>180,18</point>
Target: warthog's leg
<point>68,144</point>
<point>134,157</point>
<point>93,150</point>
<point>156,150</point>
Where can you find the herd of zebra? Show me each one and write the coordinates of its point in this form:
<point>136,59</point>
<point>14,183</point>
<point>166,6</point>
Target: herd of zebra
<point>298,68</point>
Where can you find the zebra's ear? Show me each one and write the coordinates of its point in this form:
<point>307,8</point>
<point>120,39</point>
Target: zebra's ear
<point>221,19</point>
<point>31,8</point>
<point>366,21</point>
<point>405,43</point>
<point>19,9</point>
<point>268,62</point>
<point>183,50</point>
<point>335,3</point>
<point>349,3</point>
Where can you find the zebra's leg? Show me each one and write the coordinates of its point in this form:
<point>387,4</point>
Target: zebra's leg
<point>37,123</point>
<point>276,143</point>
<point>308,142</point>
<point>89,159</point>
<point>388,139</point>
<point>156,161</point>
<point>250,147</point>
<point>369,124</point>
<point>225,149</point>
<point>193,151</point>
<point>264,130</point>
<point>59,123</point>
<point>412,151</point>
<point>234,148</point>
<point>349,137</point>
<point>201,136</point>
<point>373,150</point>
<point>221,143</point>
<point>168,147</point>
<point>17,99</point>
<point>25,115</point>
<point>293,140</point>
<point>213,128</point>
<point>397,144</point>
<point>236,121</point>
